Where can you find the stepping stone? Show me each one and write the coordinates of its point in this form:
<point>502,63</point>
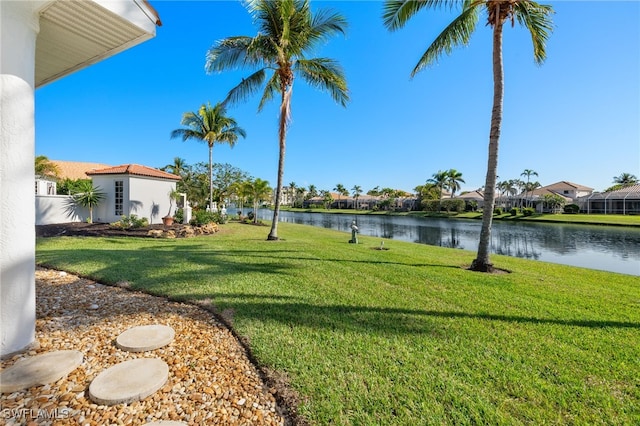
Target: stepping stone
<point>39,370</point>
<point>145,338</point>
<point>129,381</point>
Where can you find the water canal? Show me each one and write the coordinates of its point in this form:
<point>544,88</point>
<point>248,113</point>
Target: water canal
<point>608,248</point>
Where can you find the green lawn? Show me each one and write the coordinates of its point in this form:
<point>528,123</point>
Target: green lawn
<point>405,336</point>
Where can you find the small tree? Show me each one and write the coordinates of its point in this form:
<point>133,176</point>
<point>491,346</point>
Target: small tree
<point>89,196</point>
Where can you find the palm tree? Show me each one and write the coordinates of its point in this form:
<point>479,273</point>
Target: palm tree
<point>528,173</point>
<point>439,180</point>
<point>356,191</point>
<point>259,190</point>
<point>288,31</point>
<point>292,192</point>
<point>89,196</point>
<point>45,168</point>
<point>313,191</point>
<point>535,17</point>
<point>210,125</point>
<point>625,179</point>
<point>454,178</point>
<point>341,190</point>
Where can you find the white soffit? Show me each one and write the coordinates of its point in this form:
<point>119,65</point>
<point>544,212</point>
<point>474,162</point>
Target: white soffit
<point>77,33</point>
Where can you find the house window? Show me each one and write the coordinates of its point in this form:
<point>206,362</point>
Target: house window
<point>119,197</point>
<point>36,187</point>
<point>565,191</point>
<point>51,188</point>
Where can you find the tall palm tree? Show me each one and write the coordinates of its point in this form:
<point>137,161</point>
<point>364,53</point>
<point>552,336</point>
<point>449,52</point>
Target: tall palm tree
<point>287,32</point>
<point>454,178</point>
<point>259,190</point>
<point>356,191</point>
<point>534,16</point>
<point>211,125</point>
<point>313,191</point>
<point>439,180</point>
<point>340,189</point>
<point>292,193</point>
<point>528,173</point>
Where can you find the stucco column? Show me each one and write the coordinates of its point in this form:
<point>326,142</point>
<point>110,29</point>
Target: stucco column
<point>19,28</point>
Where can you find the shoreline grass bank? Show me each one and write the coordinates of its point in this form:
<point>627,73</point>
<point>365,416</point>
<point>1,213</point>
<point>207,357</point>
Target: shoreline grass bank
<point>399,336</point>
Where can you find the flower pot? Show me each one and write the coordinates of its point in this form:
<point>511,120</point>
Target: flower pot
<point>167,220</point>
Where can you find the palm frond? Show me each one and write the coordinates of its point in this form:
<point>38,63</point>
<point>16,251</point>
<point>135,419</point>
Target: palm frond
<point>458,32</point>
<point>229,53</point>
<point>536,17</point>
<point>247,87</point>
<point>396,13</point>
<point>325,24</point>
<point>272,87</point>
<point>325,74</point>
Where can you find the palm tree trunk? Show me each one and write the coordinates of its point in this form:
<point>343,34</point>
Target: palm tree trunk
<point>211,177</point>
<point>282,135</point>
<point>482,263</point>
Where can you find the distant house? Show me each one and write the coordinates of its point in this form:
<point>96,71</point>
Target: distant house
<point>134,189</point>
<point>537,196</point>
<point>622,201</point>
<point>569,189</point>
<point>45,185</point>
<point>470,197</point>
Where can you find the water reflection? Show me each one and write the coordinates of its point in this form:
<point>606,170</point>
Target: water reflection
<point>615,249</point>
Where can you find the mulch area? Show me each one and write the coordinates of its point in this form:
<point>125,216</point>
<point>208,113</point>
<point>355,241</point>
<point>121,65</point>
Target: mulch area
<point>99,230</point>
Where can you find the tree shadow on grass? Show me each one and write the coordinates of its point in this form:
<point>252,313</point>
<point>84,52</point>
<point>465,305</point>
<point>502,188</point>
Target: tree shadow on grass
<point>150,270</point>
<point>384,320</point>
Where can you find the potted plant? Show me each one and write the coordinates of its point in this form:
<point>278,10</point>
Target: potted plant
<point>168,219</point>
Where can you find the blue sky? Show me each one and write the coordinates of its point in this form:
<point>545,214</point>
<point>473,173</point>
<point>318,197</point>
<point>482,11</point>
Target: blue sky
<point>575,118</point>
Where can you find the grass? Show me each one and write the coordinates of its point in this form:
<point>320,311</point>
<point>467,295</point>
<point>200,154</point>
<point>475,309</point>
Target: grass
<point>402,336</point>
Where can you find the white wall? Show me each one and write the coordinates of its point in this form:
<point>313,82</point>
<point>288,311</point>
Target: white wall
<point>143,196</point>
<point>18,31</point>
<point>150,198</point>
<point>51,209</point>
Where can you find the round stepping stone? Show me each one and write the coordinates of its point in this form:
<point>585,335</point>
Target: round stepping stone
<point>145,338</point>
<point>39,370</point>
<point>129,381</point>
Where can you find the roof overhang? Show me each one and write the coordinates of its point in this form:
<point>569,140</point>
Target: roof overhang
<point>77,33</point>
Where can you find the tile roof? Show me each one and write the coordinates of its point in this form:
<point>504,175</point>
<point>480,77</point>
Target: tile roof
<point>134,169</point>
<point>75,169</point>
<point>563,184</point>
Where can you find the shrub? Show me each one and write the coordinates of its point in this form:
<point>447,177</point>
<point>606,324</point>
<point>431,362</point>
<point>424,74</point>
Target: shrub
<point>131,222</point>
<point>528,211</point>
<point>431,205</point>
<point>513,211</point>
<point>453,205</point>
<point>571,209</point>
<point>178,216</point>
<point>202,217</point>
<point>497,211</point>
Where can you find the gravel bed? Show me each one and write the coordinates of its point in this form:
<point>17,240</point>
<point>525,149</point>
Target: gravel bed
<point>211,379</point>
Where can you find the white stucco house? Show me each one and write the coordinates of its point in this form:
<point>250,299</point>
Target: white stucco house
<point>42,41</point>
<point>134,189</point>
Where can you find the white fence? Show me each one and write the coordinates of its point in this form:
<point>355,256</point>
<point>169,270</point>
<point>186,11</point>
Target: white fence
<point>52,209</point>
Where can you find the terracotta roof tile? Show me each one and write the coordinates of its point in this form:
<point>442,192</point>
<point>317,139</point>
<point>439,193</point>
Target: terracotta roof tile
<point>134,169</point>
<point>75,169</point>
